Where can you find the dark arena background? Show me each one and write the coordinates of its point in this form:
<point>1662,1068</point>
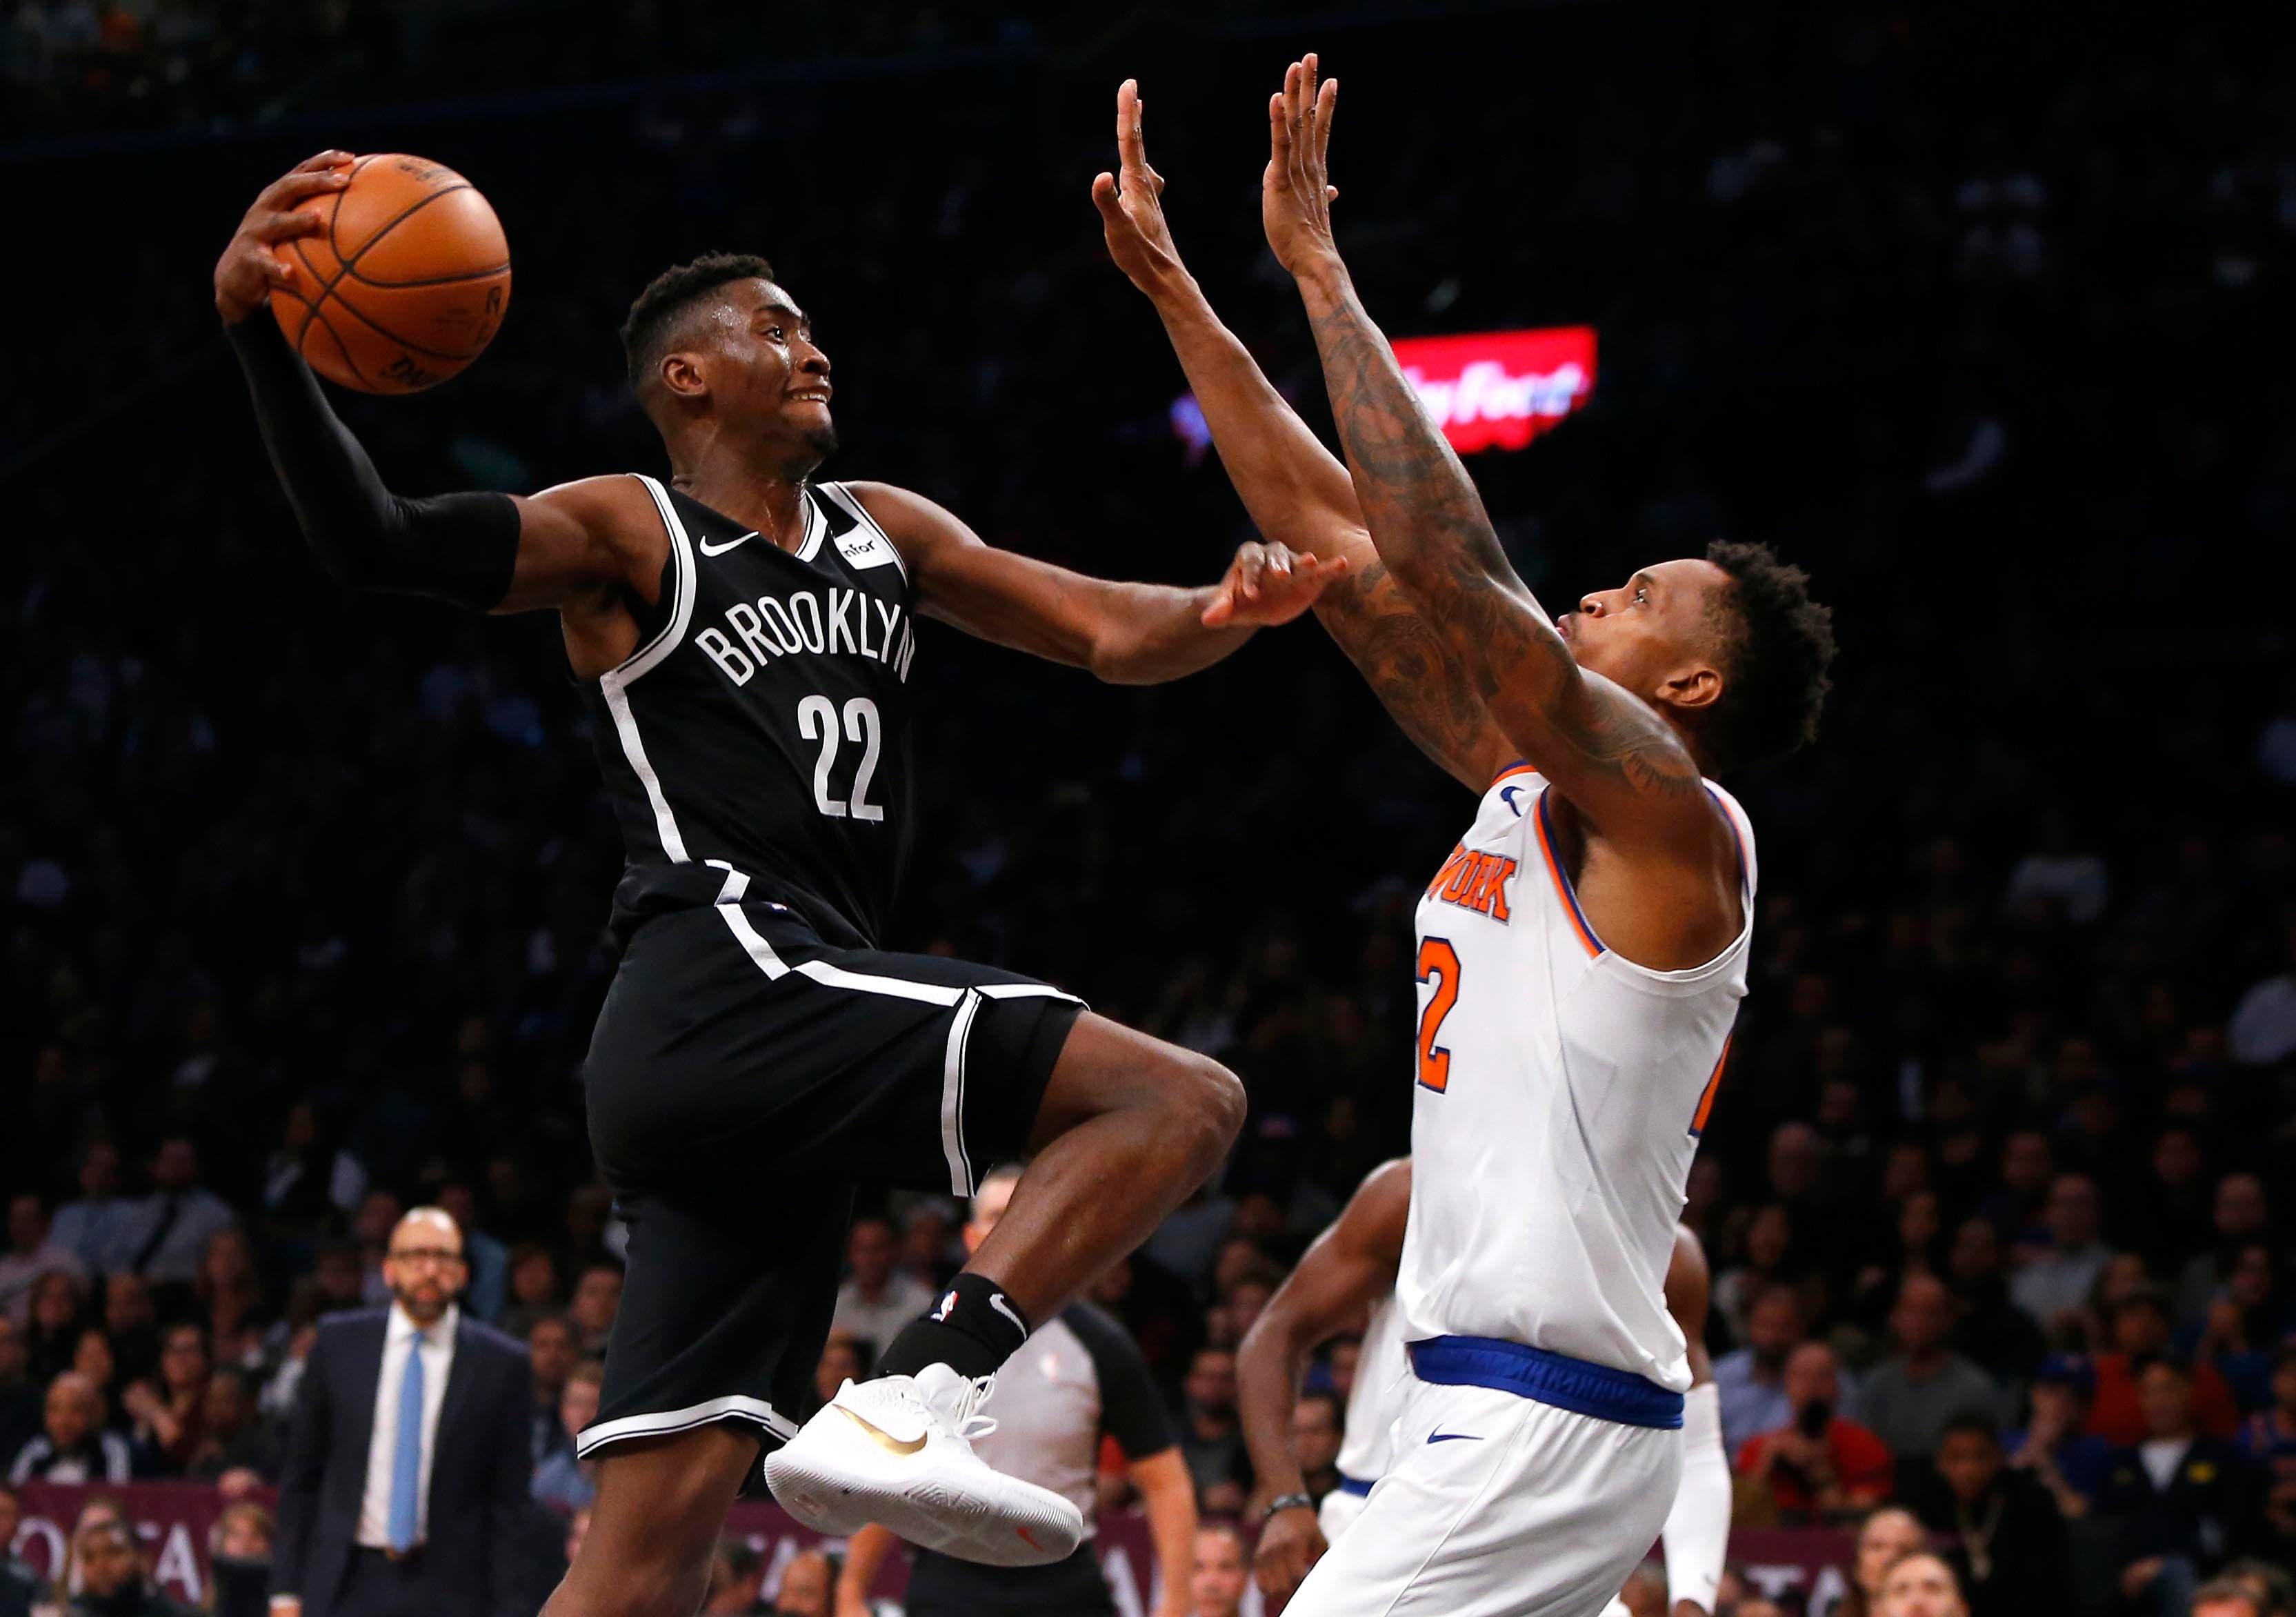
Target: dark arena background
<point>1980,315</point>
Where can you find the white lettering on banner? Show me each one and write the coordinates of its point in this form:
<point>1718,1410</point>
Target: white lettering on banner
<point>1485,391</point>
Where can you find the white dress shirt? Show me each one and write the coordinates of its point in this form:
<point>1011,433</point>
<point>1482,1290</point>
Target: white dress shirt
<point>382,1442</point>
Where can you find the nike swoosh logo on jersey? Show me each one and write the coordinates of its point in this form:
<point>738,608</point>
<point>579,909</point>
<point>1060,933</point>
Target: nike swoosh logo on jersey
<point>708,549</point>
<point>1507,797</point>
<point>881,1437</point>
<point>1455,1437</point>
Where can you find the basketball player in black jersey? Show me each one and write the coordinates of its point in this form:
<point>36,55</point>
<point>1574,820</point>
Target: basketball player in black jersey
<point>745,636</point>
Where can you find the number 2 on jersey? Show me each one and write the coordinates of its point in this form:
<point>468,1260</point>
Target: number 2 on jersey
<point>1437,959</point>
<point>817,719</point>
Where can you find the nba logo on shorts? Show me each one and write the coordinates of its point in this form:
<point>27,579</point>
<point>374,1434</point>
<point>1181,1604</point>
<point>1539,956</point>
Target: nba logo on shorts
<point>947,1307</point>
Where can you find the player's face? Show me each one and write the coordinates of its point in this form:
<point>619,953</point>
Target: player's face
<point>766,368</point>
<point>1654,634</point>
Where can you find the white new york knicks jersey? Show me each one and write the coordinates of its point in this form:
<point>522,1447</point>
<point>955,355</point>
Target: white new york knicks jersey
<point>1383,1373</point>
<point>1562,1090</point>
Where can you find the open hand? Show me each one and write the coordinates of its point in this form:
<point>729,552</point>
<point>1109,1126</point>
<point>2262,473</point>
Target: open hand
<point>1269,584</point>
<point>1295,191</point>
<point>1289,1545</point>
<point>1131,205</point>
<point>250,267</point>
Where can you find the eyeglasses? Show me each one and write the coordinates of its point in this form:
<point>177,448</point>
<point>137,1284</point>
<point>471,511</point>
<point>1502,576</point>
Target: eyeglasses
<point>443,1256</point>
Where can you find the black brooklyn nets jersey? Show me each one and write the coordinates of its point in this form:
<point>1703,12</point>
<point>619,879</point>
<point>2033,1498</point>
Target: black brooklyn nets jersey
<point>762,725</point>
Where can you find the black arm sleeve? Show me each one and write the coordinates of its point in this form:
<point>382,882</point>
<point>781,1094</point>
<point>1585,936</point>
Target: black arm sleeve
<point>1130,1411</point>
<point>457,548</point>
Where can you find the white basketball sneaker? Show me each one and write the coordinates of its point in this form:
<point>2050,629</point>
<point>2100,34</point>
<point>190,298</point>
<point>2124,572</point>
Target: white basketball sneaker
<point>898,1450</point>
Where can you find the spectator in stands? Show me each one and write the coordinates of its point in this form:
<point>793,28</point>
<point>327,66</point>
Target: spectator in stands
<point>1317,1429</point>
<point>1211,1438</point>
<point>20,1589</point>
<point>232,1437</point>
<point>2270,1582</point>
<point>229,1295</point>
<point>20,1394</point>
<point>2139,1332</point>
<point>2245,1322</point>
<point>597,1299</point>
<point>2014,1206</point>
<point>2185,1501</point>
<point>114,1581</point>
<point>877,1299</point>
<point>562,1481</point>
<point>73,1445</point>
<point>808,1586</point>
<point>2056,1446</point>
<point>32,1252</point>
<point>170,1415</point>
<point>1818,1467</point>
<point>1768,1261</point>
<point>1886,1537</point>
<point>2006,1537</point>
<point>488,1293</point>
<point>1921,1585</point>
<point>1223,1571</point>
<point>239,1559</point>
<point>843,1358</point>
<point>2054,1281</point>
<point>1751,1380</point>
<point>534,1289</point>
<point>166,1232</point>
<point>132,1324</point>
<point>95,1360</point>
<point>2238,1216</point>
<point>99,1225</point>
<point>1992,1330</point>
<point>1907,1399</point>
<point>550,1356</point>
<point>735,1570</point>
<point>52,1334</point>
<point>2263,1026</point>
<point>2228,1597</point>
<point>2269,1440</point>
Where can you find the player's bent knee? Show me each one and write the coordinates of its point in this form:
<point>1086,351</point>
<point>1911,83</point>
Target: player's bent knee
<point>1212,1101</point>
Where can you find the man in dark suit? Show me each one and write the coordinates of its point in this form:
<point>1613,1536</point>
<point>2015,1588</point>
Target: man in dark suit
<point>404,1492</point>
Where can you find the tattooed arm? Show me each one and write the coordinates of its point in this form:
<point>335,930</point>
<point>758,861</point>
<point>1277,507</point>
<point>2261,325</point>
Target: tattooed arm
<point>1296,494</point>
<point>1620,765</point>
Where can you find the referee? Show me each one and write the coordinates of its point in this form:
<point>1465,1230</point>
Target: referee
<point>1077,1378</point>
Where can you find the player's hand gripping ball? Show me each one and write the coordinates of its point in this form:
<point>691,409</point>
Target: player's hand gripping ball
<point>403,282</point>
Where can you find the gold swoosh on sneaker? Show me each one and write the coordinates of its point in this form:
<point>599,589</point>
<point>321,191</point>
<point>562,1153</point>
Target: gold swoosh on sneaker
<point>876,1435</point>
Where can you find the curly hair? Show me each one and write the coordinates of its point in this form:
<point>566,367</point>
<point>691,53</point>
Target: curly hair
<point>1778,644</point>
<point>671,293</point>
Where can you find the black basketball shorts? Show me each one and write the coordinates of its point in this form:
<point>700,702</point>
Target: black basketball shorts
<point>743,1078</point>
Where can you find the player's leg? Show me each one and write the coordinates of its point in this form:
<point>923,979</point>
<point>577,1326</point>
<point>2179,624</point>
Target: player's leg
<point>1127,1128</point>
<point>660,1507</point>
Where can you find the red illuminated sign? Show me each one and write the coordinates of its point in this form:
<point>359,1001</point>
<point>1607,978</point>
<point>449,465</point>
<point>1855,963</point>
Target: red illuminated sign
<point>1499,390</point>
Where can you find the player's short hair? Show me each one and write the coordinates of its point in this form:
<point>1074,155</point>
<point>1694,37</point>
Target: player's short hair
<point>673,291</point>
<point>1778,644</point>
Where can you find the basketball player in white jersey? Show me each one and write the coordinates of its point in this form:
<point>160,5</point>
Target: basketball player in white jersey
<point>1348,1274</point>
<point>1582,953</point>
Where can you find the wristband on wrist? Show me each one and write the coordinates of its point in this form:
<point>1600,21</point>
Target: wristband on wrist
<point>1287,1501</point>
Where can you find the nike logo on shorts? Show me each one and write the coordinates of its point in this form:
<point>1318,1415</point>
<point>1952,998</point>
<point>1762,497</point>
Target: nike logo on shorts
<point>1455,1437</point>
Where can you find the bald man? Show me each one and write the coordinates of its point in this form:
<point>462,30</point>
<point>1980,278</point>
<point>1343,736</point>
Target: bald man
<point>404,1493</point>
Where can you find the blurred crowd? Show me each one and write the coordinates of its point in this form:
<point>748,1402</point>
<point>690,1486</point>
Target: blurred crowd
<point>301,895</point>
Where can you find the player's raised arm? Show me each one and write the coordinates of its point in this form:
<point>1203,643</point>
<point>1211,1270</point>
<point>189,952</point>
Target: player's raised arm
<point>1296,490</point>
<point>1350,1263</point>
<point>1614,758</point>
<point>486,551</point>
<point>1126,634</point>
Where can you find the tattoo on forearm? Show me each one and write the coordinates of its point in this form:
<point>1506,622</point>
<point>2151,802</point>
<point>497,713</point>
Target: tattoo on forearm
<point>1416,677</point>
<point>1430,525</point>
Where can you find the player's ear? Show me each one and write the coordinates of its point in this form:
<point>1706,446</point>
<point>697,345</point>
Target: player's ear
<point>681,375</point>
<point>1692,686</point>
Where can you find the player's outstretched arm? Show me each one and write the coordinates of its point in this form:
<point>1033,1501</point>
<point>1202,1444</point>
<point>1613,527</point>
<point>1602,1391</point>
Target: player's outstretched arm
<point>1296,490</point>
<point>1350,1263</point>
<point>488,552</point>
<point>1616,760</point>
<point>1126,634</point>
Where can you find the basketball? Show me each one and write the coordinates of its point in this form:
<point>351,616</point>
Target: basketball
<point>407,284</point>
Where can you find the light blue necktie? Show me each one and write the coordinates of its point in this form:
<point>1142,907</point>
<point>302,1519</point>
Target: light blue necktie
<point>407,1459</point>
